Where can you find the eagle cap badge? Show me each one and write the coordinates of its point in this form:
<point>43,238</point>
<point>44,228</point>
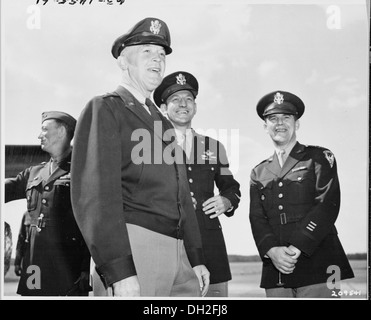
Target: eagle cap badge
<point>278,98</point>
<point>180,79</point>
<point>155,27</point>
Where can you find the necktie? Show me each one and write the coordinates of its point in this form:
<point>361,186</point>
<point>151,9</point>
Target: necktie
<point>182,143</point>
<point>281,159</point>
<point>53,166</point>
<point>153,109</point>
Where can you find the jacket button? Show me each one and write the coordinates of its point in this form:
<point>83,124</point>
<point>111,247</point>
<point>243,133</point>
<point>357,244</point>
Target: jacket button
<point>280,207</point>
<point>192,194</point>
<point>190,180</point>
<point>212,169</point>
<point>43,201</point>
<point>189,168</point>
<point>47,188</point>
<point>280,195</point>
<point>280,184</point>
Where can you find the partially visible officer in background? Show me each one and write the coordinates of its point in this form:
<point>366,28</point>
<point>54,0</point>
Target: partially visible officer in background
<point>207,166</point>
<point>295,201</point>
<point>136,214</point>
<point>22,242</point>
<point>56,247</point>
<point>8,247</point>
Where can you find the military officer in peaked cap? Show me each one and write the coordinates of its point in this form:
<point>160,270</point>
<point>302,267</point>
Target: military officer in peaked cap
<point>294,203</point>
<point>207,166</point>
<point>141,228</point>
<point>54,242</point>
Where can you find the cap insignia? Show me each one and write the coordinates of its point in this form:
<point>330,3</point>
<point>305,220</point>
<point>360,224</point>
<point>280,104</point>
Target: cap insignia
<point>180,79</point>
<point>278,98</point>
<point>155,27</point>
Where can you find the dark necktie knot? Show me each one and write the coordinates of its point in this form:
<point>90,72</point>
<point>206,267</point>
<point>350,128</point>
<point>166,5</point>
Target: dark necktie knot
<point>152,109</point>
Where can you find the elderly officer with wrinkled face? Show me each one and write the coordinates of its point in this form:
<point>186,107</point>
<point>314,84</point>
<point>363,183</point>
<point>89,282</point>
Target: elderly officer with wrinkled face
<point>294,203</point>
<point>137,217</point>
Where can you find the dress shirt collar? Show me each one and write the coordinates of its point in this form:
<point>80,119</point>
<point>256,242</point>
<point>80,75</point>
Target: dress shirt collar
<point>288,148</point>
<point>134,92</point>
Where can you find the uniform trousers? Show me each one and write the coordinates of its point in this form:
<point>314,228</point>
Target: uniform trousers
<point>162,266</point>
<point>319,290</point>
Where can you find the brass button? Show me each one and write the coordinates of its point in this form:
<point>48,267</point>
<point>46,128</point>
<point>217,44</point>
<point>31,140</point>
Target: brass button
<point>280,207</point>
<point>190,180</point>
<point>280,195</point>
<point>280,184</point>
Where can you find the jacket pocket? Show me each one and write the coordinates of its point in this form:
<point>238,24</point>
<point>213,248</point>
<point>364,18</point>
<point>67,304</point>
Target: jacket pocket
<point>207,177</point>
<point>32,194</point>
<point>301,187</point>
<point>265,194</point>
<point>62,193</point>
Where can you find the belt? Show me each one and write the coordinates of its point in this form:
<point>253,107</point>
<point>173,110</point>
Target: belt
<point>283,218</point>
<point>42,222</point>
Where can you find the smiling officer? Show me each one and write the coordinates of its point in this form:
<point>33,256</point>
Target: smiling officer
<point>137,216</point>
<point>55,244</point>
<point>207,167</point>
<point>294,203</point>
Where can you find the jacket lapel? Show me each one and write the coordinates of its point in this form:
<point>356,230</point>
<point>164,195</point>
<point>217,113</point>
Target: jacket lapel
<point>273,165</point>
<point>63,168</point>
<point>296,154</point>
<point>45,173</point>
<point>199,147</point>
<point>136,108</point>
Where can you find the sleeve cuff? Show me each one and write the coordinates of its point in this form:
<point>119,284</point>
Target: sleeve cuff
<point>305,243</point>
<point>195,256</point>
<point>117,270</point>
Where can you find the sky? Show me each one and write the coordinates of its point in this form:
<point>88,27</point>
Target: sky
<point>57,57</point>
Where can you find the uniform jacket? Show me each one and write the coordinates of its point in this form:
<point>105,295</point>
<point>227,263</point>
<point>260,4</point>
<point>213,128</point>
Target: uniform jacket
<point>208,166</point>
<point>55,244</point>
<point>298,205</point>
<point>23,240</point>
<point>119,176</point>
